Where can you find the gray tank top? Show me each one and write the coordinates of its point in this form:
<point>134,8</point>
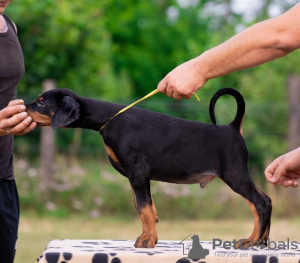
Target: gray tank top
<point>11,71</point>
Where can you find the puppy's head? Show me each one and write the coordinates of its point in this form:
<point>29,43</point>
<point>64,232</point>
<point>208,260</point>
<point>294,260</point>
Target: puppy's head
<point>55,108</point>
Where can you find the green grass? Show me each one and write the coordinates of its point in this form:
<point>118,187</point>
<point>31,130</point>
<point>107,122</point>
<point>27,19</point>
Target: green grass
<point>94,187</point>
<point>35,232</point>
<point>90,200</point>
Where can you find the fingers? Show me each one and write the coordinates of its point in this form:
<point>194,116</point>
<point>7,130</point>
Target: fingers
<point>270,170</point>
<point>177,96</point>
<point>279,172</point>
<point>11,110</point>
<point>289,179</point>
<point>172,91</point>
<point>29,128</point>
<point>11,123</point>
<point>188,96</point>
<point>276,169</point>
<point>291,175</point>
<point>169,91</point>
<point>287,182</point>
<point>182,82</point>
<point>14,120</point>
<point>19,124</point>
<point>162,85</point>
<point>15,102</point>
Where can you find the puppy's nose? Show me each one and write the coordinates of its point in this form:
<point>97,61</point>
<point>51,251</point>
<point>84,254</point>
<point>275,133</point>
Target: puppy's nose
<point>28,106</point>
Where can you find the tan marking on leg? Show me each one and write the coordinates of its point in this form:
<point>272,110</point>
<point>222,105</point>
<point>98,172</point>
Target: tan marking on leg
<point>135,203</point>
<point>267,231</point>
<point>266,234</point>
<point>256,229</point>
<point>148,238</point>
<point>111,154</point>
<point>260,191</point>
<point>147,218</point>
<point>154,210</point>
<point>254,237</point>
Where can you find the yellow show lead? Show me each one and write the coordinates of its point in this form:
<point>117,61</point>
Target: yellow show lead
<point>134,103</point>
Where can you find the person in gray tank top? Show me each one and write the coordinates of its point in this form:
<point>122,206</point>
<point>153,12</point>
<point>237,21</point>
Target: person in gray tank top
<point>13,121</point>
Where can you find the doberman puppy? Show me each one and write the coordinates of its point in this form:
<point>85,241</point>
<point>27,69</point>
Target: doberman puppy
<point>144,145</point>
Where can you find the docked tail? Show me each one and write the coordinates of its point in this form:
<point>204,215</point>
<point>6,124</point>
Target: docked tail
<point>238,120</point>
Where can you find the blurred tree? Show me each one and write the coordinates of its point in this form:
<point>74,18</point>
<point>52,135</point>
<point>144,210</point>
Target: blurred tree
<point>152,37</point>
<point>115,49</point>
<point>66,41</point>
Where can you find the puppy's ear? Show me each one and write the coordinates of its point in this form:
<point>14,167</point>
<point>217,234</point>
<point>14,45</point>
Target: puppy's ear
<point>67,112</point>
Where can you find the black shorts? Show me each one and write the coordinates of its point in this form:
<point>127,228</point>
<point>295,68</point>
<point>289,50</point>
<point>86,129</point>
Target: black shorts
<point>9,220</point>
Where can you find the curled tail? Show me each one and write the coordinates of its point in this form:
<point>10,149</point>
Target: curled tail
<point>238,120</point>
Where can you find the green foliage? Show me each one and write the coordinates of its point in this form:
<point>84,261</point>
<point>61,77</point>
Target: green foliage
<point>69,43</point>
<point>148,41</point>
<point>94,189</point>
<point>119,50</point>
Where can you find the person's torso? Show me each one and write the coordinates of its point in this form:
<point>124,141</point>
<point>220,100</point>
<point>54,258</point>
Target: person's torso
<point>11,71</point>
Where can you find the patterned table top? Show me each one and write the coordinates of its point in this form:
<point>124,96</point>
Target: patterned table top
<point>117,251</point>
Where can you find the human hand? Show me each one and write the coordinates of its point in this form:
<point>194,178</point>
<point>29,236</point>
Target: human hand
<point>285,170</point>
<point>183,81</point>
<point>14,120</point>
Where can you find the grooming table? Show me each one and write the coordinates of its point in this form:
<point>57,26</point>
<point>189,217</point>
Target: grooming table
<point>117,251</point>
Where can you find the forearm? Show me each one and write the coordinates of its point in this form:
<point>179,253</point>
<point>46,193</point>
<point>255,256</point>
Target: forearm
<point>256,45</point>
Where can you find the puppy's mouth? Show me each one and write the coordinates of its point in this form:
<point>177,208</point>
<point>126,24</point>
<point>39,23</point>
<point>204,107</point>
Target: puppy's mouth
<point>38,118</point>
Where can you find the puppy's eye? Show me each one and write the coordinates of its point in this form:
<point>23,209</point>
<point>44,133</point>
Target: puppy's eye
<point>40,103</point>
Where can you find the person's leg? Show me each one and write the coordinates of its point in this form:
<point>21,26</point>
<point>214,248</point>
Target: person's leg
<point>9,220</point>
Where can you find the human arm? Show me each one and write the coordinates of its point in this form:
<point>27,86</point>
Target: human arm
<point>14,120</point>
<point>258,44</point>
<point>285,170</point>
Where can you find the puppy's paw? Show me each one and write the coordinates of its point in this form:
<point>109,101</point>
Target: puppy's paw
<point>251,243</point>
<point>146,240</point>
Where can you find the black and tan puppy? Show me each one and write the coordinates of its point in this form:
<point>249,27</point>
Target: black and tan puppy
<point>144,145</point>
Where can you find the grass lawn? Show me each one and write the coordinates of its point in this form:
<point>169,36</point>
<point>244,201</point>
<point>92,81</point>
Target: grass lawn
<point>36,232</point>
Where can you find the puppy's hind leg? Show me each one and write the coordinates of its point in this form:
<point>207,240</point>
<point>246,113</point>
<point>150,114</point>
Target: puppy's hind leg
<point>260,204</point>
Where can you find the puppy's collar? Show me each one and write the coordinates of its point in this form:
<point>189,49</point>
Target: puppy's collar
<point>134,103</point>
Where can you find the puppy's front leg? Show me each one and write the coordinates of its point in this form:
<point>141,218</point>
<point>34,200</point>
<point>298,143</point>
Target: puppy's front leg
<point>146,209</point>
